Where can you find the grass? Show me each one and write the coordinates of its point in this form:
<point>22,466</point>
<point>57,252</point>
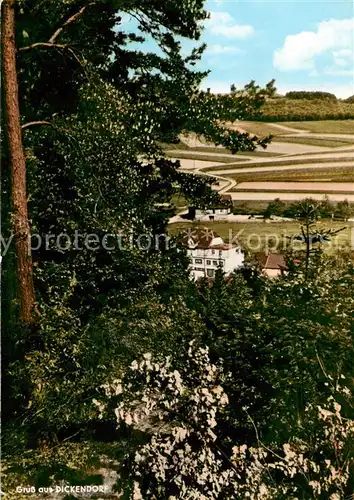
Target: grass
<point>330,174</point>
<point>255,235</point>
<point>259,129</point>
<point>313,153</point>
<point>170,148</point>
<point>283,163</point>
<point>262,190</point>
<point>315,141</point>
<point>253,206</point>
<point>290,110</point>
<point>179,201</point>
<point>324,126</point>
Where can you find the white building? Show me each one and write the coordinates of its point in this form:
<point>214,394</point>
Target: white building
<point>212,212</point>
<point>216,212</point>
<point>208,252</point>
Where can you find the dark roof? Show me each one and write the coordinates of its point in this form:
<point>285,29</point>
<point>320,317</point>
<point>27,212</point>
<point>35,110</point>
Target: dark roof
<point>271,261</point>
<point>226,197</point>
<point>202,237</point>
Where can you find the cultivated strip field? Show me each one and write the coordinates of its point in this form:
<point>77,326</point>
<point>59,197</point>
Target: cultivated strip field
<point>305,159</point>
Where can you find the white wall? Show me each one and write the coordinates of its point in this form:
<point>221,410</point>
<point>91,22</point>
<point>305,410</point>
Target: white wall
<point>206,262</point>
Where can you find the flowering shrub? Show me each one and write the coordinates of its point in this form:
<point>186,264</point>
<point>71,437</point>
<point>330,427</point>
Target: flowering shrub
<point>187,456</point>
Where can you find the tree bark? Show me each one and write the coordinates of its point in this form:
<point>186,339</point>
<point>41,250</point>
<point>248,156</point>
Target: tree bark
<point>21,226</point>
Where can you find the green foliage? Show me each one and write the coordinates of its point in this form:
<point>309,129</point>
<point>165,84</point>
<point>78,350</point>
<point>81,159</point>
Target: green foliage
<point>98,169</point>
<point>285,349</point>
<point>325,209</point>
<point>275,207</point>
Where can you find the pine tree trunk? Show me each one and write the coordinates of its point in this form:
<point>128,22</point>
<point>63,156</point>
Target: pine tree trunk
<point>21,227</point>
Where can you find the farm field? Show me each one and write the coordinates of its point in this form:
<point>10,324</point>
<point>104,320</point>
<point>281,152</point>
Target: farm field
<point>188,155</point>
<point>344,174</point>
<point>324,126</point>
<point>286,128</point>
<point>257,235</point>
<point>260,129</point>
<point>291,186</point>
<point>315,141</point>
<point>220,150</point>
<point>289,162</point>
<point>296,110</point>
<point>328,158</point>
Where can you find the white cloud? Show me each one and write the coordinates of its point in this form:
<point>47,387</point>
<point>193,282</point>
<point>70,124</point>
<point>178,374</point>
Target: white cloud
<point>333,71</point>
<point>222,49</point>
<point>300,51</point>
<point>223,24</point>
<point>344,57</point>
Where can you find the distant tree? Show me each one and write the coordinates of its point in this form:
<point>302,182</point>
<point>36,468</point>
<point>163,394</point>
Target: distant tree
<point>305,94</point>
<point>308,213</point>
<point>275,207</point>
<point>326,207</point>
<point>344,209</point>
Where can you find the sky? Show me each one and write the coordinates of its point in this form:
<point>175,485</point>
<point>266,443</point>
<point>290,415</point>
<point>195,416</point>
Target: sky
<point>303,44</point>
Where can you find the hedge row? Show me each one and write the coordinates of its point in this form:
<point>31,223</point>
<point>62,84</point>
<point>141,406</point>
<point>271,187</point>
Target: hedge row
<point>305,109</point>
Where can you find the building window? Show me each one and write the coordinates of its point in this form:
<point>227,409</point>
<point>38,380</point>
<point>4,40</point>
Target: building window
<point>213,252</point>
<point>221,263</point>
<point>220,253</point>
<point>198,269</point>
<point>210,273</point>
<point>198,261</point>
<point>208,262</point>
<point>215,262</point>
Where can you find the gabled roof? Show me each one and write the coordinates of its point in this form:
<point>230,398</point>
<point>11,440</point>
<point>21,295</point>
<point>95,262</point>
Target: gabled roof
<point>201,237</point>
<point>271,261</point>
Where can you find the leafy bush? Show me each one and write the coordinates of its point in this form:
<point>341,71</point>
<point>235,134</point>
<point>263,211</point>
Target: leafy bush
<point>185,456</point>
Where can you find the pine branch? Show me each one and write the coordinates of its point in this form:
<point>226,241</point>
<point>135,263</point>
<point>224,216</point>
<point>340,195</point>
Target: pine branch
<point>57,33</point>
<point>71,19</point>
<point>32,124</point>
<point>42,44</point>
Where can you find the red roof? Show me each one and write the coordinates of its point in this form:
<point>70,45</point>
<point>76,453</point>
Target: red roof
<point>271,261</point>
<point>201,237</point>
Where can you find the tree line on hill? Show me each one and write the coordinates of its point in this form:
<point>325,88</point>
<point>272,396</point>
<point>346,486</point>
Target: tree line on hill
<point>294,106</point>
<point>302,109</point>
<point>310,95</point>
<point>342,210</point>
